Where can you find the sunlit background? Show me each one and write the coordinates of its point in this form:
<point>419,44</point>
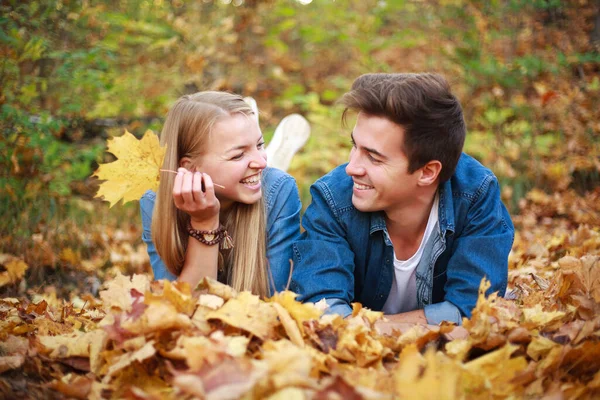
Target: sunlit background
<point>74,73</point>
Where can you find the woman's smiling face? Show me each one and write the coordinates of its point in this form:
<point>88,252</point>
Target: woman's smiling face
<point>235,158</point>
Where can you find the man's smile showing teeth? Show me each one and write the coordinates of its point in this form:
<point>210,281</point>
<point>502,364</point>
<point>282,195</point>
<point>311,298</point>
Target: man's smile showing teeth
<point>360,186</point>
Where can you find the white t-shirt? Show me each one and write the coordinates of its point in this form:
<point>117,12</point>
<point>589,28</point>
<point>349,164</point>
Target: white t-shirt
<point>403,295</point>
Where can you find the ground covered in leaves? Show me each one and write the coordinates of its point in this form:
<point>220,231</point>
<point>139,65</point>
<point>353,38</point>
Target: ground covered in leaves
<point>152,340</point>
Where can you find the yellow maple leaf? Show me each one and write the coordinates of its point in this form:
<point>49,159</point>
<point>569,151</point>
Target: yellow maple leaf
<point>536,317</point>
<point>147,351</point>
<point>118,290</point>
<point>429,376</point>
<point>300,312</point>
<point>247,312</point>
<point>492,374</point>
<point>289,365</point>
<point>15,269</point>
<point>136,170</point>
<point>156,317</point>
<point>75,344</point>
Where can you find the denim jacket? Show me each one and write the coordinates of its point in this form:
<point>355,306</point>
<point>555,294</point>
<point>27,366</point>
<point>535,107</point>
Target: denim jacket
<point>346,255</point>
<point>283,225</point>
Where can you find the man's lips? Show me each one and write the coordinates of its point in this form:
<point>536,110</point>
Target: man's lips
<point>361,186</point>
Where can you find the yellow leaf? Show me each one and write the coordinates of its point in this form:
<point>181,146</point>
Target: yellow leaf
<point>289,393</point>
<point>290,326</point>
<point>299,311</point>
<point>156,317</point>
<point>356,344</point>
<point>15,269</point>
<point>118,291</point>
<point>494,372</point>
<point>536,317</point>
<point>126,359</point>
<point>217,288</point>
<point>176,293</point>
<point>371,316</point>
<point>199,350</point>
<point>247,312</point>
<point>540,347</point>
<point>76,344</point>
<point>136,170</point>
<point>434,376</point>
<point>210,301</point>
<point>288,364</point>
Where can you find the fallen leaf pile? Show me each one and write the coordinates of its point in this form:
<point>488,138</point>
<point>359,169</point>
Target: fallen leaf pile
<point>160,340</point>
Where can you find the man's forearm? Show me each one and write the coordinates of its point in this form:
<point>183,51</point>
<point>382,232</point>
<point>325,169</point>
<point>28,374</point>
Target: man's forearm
<point>413,317</point>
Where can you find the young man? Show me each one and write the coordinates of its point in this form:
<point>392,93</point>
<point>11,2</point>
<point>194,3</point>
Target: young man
<point>410,225</point>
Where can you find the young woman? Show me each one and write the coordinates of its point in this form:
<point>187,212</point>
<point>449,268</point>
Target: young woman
<point>224,214</point>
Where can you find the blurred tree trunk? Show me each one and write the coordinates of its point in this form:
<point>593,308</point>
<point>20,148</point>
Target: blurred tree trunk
<point>595,35</point>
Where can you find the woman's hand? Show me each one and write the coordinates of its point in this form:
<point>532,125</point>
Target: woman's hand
<point>201,205</point>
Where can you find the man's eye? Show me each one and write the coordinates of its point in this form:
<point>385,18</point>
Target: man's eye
<point>238,157</point>
<point>373,159</point>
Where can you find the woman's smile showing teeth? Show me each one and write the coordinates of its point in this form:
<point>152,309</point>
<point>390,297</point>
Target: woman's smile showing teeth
<point>252,181</point>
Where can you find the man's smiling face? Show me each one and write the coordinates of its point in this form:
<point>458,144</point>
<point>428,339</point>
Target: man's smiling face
<point>379,167</point>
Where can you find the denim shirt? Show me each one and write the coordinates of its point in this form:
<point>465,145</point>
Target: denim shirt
<point>283,225</point>
<point>346,255</point>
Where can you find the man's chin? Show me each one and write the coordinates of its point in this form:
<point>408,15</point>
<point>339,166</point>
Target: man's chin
<point>361,205</point>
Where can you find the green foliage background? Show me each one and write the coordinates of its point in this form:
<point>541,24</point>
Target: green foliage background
<point>73,73</point>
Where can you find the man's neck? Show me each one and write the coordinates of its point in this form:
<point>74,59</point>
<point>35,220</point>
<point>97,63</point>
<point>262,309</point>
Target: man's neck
<point>407,223</point>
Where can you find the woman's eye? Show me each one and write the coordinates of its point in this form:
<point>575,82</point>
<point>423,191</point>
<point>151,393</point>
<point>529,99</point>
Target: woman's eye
<point>260,146</point>
<point>238,157</point>
<point>352,142</point>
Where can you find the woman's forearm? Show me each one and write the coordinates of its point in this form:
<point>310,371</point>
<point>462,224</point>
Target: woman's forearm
<point>201,260</point>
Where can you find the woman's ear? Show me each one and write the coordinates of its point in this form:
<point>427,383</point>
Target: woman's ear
<point>430,173</point>
<point>187,163</point>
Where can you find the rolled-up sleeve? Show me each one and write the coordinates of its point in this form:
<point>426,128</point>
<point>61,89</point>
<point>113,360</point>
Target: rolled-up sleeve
<point>444,311</point>
<point>480,251</point>
<point>283,228</point>
<point>323,259</point>
<point>159,269</point>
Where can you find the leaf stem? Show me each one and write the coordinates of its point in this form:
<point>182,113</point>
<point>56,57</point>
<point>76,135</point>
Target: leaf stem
<point>170,170</point>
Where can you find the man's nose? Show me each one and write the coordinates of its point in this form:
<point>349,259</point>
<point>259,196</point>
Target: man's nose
<point>354,168</point>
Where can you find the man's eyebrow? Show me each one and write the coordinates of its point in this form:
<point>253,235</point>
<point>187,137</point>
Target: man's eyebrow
<point>368,149</point>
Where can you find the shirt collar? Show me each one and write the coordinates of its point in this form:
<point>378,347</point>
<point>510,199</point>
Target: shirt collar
<point>446,209</point>
<point>445,214</point>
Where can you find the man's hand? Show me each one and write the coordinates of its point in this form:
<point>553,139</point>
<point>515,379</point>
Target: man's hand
<point>407,320</point>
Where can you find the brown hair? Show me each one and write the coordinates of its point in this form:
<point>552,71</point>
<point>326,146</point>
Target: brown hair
<point>431,116</point>
<point>185,132</point>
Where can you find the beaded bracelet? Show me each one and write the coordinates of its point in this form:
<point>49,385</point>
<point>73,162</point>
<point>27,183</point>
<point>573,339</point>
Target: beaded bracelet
<point>210,238</point>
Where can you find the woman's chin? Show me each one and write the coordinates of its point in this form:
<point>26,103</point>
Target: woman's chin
<point>243,198</point>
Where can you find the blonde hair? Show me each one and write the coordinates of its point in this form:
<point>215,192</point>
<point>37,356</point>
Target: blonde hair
<point>185,133</point>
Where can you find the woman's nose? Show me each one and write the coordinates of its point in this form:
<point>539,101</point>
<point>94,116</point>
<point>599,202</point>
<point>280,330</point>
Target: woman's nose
<point>259,161</point>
